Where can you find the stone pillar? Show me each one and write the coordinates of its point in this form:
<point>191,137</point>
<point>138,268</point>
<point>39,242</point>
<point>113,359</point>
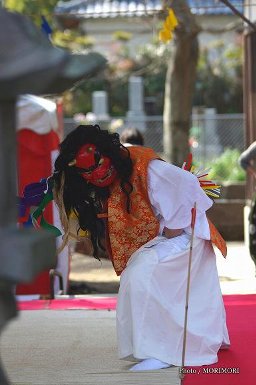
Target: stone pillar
<point>7,208</point>
<point>8,188</point>
<point>100,105</point>
<point>136,113</point>
<point>43,69</point>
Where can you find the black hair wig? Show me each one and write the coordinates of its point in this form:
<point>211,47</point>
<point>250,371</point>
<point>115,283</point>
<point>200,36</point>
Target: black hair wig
<point>73,193</point>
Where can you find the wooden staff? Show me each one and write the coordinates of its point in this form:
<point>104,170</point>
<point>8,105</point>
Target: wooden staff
<point>193,219</point>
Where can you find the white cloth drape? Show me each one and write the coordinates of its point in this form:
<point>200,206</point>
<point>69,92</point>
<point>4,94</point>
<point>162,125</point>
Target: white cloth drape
<point>151,299</point>
<point>172,193</point>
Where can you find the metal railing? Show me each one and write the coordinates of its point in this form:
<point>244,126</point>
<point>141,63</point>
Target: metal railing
<point>210,135</point>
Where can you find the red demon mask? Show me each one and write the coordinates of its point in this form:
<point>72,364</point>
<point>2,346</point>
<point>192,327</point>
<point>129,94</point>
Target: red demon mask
<point>95,167</point>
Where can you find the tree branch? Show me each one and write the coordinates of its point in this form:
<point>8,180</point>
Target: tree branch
<point>238,13</point>
<point>229,27</point>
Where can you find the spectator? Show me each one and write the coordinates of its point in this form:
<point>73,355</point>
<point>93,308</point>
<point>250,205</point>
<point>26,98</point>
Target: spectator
<point>132,136</point>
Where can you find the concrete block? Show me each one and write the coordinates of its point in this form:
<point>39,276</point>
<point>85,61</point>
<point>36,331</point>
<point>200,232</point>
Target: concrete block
<point>233,190</point>
<point>227,216</point>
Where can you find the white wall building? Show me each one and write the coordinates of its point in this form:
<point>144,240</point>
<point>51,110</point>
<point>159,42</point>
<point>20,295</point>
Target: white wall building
<point>101,18</point>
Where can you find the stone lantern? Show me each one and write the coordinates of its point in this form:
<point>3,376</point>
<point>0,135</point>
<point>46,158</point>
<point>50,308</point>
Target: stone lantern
<point>28,64</point>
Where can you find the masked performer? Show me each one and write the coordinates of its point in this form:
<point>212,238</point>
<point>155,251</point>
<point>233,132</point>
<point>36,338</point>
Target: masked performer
<point>139,208</point>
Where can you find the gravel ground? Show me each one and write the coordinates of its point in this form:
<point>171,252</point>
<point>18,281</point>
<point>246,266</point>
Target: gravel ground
<point>90,276</point>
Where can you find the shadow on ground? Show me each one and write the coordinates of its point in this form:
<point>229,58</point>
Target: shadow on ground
<point>82,287</point>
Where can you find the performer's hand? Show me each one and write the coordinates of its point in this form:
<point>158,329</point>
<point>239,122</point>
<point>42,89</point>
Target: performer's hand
<point>171,233</point>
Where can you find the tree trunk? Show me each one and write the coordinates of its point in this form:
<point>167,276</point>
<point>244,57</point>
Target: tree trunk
<point>179,85</point>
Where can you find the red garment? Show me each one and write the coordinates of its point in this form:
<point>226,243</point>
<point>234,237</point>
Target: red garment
<point>35,163</point>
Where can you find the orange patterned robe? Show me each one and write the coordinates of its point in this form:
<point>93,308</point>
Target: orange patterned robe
<point>128,232</point>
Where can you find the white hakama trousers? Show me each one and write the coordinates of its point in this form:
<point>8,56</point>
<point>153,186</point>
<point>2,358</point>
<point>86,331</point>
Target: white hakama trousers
<point>151,303</point>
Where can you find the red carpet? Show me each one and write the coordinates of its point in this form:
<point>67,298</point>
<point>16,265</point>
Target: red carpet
<point>107,303</point>
<point>236,366</point>
<point>241,320</point>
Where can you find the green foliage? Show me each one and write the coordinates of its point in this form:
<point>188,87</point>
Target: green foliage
<point>151,63</point>
<point>226,167</point>
<point>218,84</point>
<point>122,36</point>
<point>72,40</point>
<point>33,9</point>
<point>219,81</point>
<point>80,99</point>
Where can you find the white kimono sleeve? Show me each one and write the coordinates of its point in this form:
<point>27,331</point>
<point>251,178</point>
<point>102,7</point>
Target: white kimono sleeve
<point>172,193</point>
